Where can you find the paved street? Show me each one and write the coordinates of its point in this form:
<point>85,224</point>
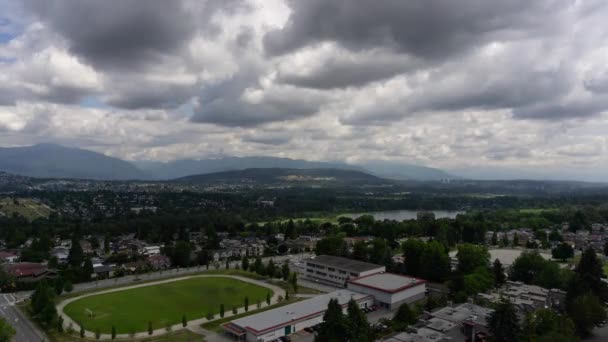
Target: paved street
<point>25,330</point>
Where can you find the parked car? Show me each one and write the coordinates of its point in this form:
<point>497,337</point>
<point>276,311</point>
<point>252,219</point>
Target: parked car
<point>309,329</point>
<point>285,338</point>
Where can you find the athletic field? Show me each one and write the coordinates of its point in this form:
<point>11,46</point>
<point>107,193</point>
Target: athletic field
<point>162,304</point>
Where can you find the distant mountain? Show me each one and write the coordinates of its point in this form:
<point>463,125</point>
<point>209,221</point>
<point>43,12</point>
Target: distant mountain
<point>187,167</point>
<point>268,176</point>
<point>54,161</point>
<point>400,171</point>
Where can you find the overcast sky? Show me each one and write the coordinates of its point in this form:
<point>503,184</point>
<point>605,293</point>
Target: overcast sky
<point>475,84</point>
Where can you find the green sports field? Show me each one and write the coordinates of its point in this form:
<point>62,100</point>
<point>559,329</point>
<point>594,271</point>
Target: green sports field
<point>163,304</point>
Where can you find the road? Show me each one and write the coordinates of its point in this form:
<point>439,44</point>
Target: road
<point>25,330</point>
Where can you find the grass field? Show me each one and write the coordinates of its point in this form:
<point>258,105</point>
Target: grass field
<point>163,304</point>
<point>25,207</point>
<point>535,210</point>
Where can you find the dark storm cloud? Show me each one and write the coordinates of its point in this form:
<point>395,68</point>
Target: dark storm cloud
<point>123,34</point>
<point>426,28</point>
<point>241,113</point>
<point>148,95</point>
<point>223,103</point>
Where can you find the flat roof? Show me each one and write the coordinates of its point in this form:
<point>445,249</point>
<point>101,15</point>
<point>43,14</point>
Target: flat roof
<point>421,335</point>
<point>289,314</point>
<point>344,263</point>
<point>464,312</point>
<point>387,282</point>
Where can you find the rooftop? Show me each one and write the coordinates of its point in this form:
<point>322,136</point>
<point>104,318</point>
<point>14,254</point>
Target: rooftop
<point>292,312</point>
<point>464,312</point>
<point>387,282</point>
<point>422,335</point>
<point>344,263</point>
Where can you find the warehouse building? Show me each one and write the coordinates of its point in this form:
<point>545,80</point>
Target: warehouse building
<point>337,270</point>
<point>389,290</point>
<point>272,324</point>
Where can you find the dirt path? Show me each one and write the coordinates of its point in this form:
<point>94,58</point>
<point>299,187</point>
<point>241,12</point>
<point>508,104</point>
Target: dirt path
<point>193,325</point>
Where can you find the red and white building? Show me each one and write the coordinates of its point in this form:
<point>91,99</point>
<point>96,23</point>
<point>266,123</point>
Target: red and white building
<point>389,290</point>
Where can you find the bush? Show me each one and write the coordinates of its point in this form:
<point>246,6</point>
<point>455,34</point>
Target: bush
<point>150,329</point>
<point>97,334</point>
<point>210,316</point>
<point>113,332</point>
<point>184,321</point>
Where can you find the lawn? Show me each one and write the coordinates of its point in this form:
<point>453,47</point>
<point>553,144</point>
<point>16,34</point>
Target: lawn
<point>25,207</point>
<point>163,304</point>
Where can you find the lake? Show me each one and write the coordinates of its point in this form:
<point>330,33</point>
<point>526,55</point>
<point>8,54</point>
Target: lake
<point>401,215</point>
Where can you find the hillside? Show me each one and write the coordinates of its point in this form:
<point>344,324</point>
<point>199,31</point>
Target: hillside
<point>266,176</point>
<point>54,161</point>
<point>187,167</point>
<point>401,171</point>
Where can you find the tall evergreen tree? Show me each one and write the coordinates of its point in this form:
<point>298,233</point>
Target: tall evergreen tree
<point>245,263</point>
<point>499,273</point>
<point>359,329</point>
<point>504,324</point>
<point>334,324</point>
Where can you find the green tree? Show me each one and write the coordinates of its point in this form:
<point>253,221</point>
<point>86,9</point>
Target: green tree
<point>360,251</point>
<point>562,251</point>
<point>503,323</point>
<point>470,257</point>
<point>526,266</point>
<point>499,273</point>
<point>435,262</point>
<point>587,312</point>
<point>59,324</point>
<point>543,323</point>
<point>245,263</point>
<point>293,280</point>
<point>258,266</point>
<point>270,268</point>
<point>332,245</point>
<point>97,334</point>
<point>184,321</point>
<point>590,272</point>
<point>87,269</point>
<point>358,328</point>
<point>285,271</point>
<point>113,327</point>
<point>180,255</point>
<point>82,331</point>
<point>413,250</point>
<point>6,331</point>
<point>268,298</point>
<point>76,254</point>
<point>222,310</point>
<point>246,304</point>
<point>334,324</point>
<point>68,287</point>
<point>494,239</point>
<point>150,329</point>
<point>404,317</point>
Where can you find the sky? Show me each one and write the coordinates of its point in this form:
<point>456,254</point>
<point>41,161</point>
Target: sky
<point>469,85</point>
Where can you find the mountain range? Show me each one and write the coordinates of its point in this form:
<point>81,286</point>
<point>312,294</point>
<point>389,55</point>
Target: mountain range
<point>55,161</point>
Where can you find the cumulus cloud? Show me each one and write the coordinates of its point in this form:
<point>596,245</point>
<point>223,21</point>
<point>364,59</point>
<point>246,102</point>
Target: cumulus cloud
<point>436,82</point>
